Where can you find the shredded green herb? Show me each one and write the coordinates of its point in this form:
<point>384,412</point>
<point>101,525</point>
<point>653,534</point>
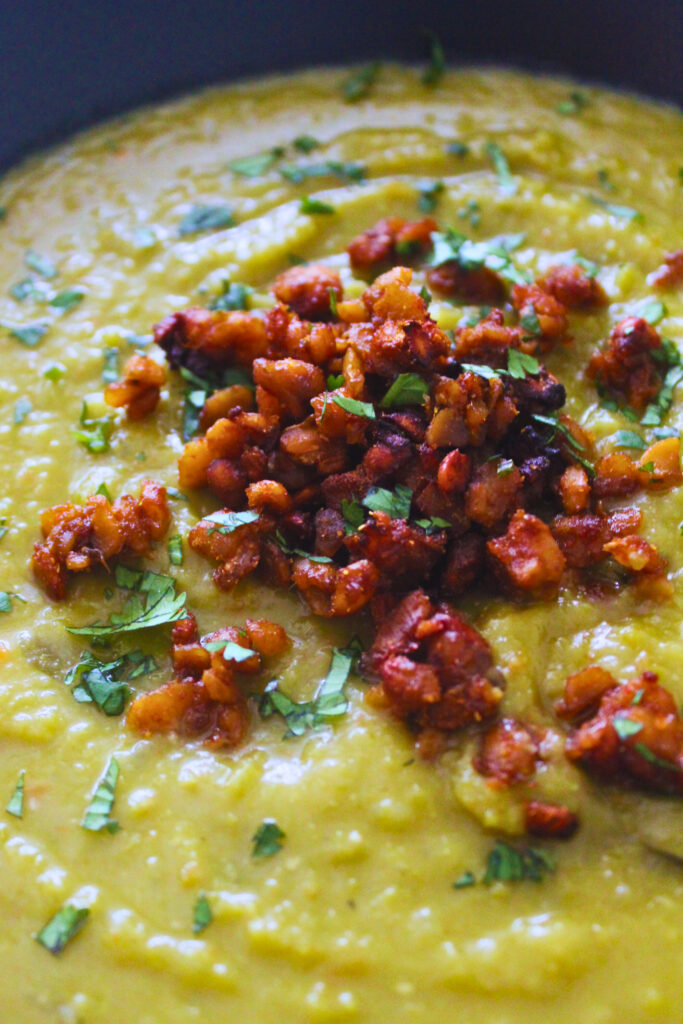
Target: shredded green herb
<point>624,727</point>
<point>97,817</point>
<point>153,602</point>
<point>506,182</point>
<point>175,550</point>
<point>573,105</point>
<point>352,405</point>
<point>42,265</point>
<point>67,299</point>
<point>230,650</point>
<point>205,218</point>
<point>61,928</point>
<point>254,166</point>
<point>457,149</point>
<point>652,310</point>
<point>493,253</point>
<point>22,407</point>
<point>407,389</point>
<point>353,515</point>
<point>228,522</point>
<point>436,68</point>
<point>95,433</point>
<point>31,335</point>
<point>202,915</point>
<point>359,84</point>
<point>305,143</point>
<point>105,683</point>
<point>519,364</point>
<point>623,212</point>
<point>267,839</point>
<point>395,503</point>
<point>347,171</point>
<point>110,373</point>
<point>629,439</point>
<point>16,804</point>
<point>313,206</point>
<point>429,193</point>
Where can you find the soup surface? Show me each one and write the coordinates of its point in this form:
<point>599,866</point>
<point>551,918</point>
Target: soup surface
<point>352,914</point>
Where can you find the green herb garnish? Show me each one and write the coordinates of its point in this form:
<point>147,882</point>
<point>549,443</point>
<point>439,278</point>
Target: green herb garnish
<point>201,916</point>
<point>313,206</point>
<point>228,522</point>
<point>466,880</point>
<point>624,727</point>
<point>395,503</point>
<point>623,212</point>
<point>254,166</point>
<point>97,817</point>
<point>493,253</point>
<point>298,552</point>
<point>175,550</point>
<point>457,149</point>
<point>153,602</point>
<point>110,373</point>
<point>472,212</point>
<point>22,407</point>
<point>506,182</point>
<point>519,364</point>
<point>652,310</point>
<point>205,218</point>
<point>31,335</point>
<point>629,439</point>
<point>347,171</point>
<point>61,928</point>
<point>577,450</point>
<point>67,299</point>
<point>407,389</point>
<point>24,289</point>
<point>267,839</point>
<point>653,759</point>
<point>531,324</point>
<point>230,650</point>
<point>305,143</point>
<point>95,433</point>
<point>434,71</point>
<point>352,405</point>
<point>574,104</point>
<point>233,296</point>
<point>16,804</point>
<point>105,683</point>
<point>508,864</point>
<point>41,264</point>
<point>429,193</point>
<point>358,85</point>
<point>353,515</point>
<point>329,702</point>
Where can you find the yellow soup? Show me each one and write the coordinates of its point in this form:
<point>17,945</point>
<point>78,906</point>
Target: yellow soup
<point>355,917</point>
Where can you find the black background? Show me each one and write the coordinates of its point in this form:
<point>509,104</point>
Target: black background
<point>65,64</point>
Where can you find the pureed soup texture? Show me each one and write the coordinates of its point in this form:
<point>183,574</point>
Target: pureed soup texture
<point>406,443</point>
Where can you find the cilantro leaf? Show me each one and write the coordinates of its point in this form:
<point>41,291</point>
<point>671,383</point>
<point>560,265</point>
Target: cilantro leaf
<point>493,253</point>
<point>352,512</point>
<point>97,817</point>
<point>395,503</point>
<point>481,370</point>
<point>622,212</point>
<point>110,373</point>
<point>22,408</point>
<point>629,439</point>
<point>625,727</point>
<point>433,525</point>
<point>429,192</point>
<point>434,71</point>
<point>652,310</point>
<point>577,451</point>
<point>466,880</point>
<point>305,143</point>
<point>506,182</point>
<point>347,171</point>
<point>531,324</point>
<point>16,804</point>
<point>24,289</point>
<point>267,839</point>
<point>105,684</point>
<point>153,602</point>
<point>656,411</point>
<point>231,650</point>
<point>67,299</point>
<point>573,105</point>
<point>659,762</point>
<point>298,552</point>
<point>31,335</point>
<point>352,405</point>
<point>233,296</point>
<point>407,389</point>
<point>312,206</point>
<point>228,522</point>
<point>358,85</point>
<point>96,433</point>
<point>508,864</point>
<point>254,166</point>
<point>62,927</point>
<point>202,915</point>
<point>205,218</point>
<point>175,549</point>
<point>329,701</point>
<point>41,264</point>
<point>471,211</point>
<point>519,364</point>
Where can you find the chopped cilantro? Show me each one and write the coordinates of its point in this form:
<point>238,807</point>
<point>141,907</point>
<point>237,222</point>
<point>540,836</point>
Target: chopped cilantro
<point>110,373</point>
<point>353,515</point>
<point>508,864</point>
<point>358,85</point>
<point>54,372</point>
<point>22,408</point>
<point>233,296</point>
<point>624,727</point>
<point>573,104</point>
<point>587,265</point>
<point>201,916</point>
<point>305,143</point>
<point>335,380</point>
<point>466,880</point>
<point>61,928</point>
<point>653,759</point>
<point>175,549</point>
<point>105,684</point>
<point>623,212</point>
<point>177,495</point>
<point>652,310</point>
<point>104,491</point>
<point>629,439</point>
<point>153,602</point>
<point>313,206</point>
<point>457,149</point>
<point>505,467</point>
<point>506,182</point>
<point>67,299</point>
<point>16,804</point>
<point>97,817</point>
<point>298,552</point>
<point>434,71</point>
<point>648,467</point>
<point>531,324</point>
<point>433,525</point>
<point>395,503</point>
<point>5,601</point>
<point>333,302</point>
<point>493,253</point>
<point>603,178</point>
<point>487,372</point>
<point>41,264</point>
<point>352,405</point>
<point>31,335</point>
<point>471,211</point>
<point>425,294</point>
<point>24,289</point>
<point>347,171</point>
<point>407,389</point>
<point>230,650</point>
<point>267,839</point>
<point>254,166</point>
<point>205,218</point>
<point>95,433</point>
<point>577,451</point>
<point>429,193</point>
<point>329,701</point>
<point>656,411</point>
<point>519,364</point>
<point>228,522</point>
